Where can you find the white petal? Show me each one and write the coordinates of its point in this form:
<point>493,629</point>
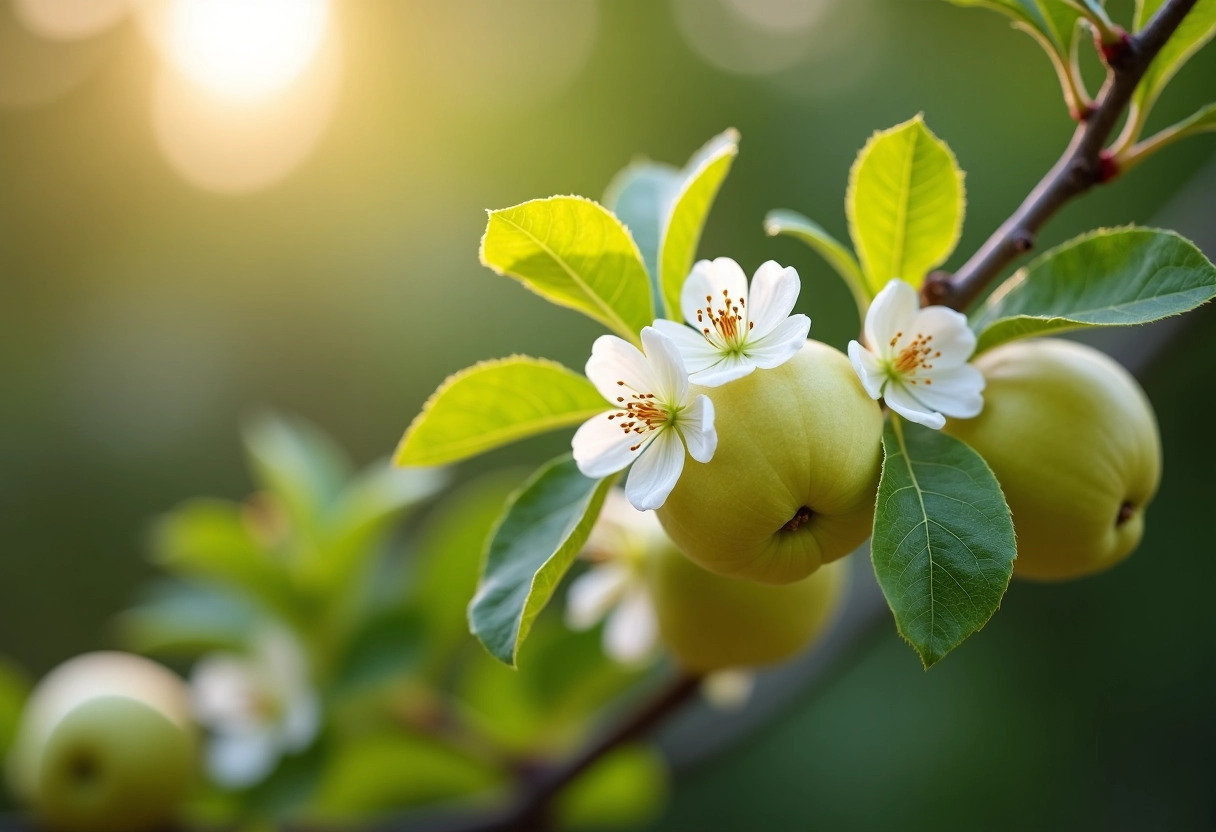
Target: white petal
<point>771,300</point>
<point>301,721</point>
<point>728,690</point>
<point>222,691</point>
<point>903,402</point>
<point>595,592</point>
<point>709,279</point>
<point>952,337</point>
<point>697,425</point>
<point>614,360</point>
<point>891,312</point>
<point>655,472</point>
<point>955,391</point>
<point>601,447</point>
<point>868,369</point>
<point>236,761</point>
<point>631,631</point>
<point>697,287</point>
<point>727,368</point>
<point>696,352</point>
<point>666,366</point>
<point>780,344</point>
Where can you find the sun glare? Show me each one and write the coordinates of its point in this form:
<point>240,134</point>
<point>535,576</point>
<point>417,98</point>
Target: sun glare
<point>245,50</point>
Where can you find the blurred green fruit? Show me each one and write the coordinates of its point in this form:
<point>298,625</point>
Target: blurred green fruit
<point>710,622</point>
<point>793,482</point>
<point>105,745</point>
<point>1073,442</point>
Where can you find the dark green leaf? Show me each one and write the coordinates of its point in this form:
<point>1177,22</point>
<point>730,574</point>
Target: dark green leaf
<point>536,540</point>
<point>943,546</point>
<point>385,647</point>
<point>1117,277</point>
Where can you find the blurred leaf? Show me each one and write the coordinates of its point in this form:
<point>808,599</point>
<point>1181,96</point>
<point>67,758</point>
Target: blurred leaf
<point>905,204</point>
<point>703,176</point>
<point>1201,121</point>
<point>625,788</point>
<point>14,689</point>
<point>187,618</point>
<point>209,539</point>
<point>1051,22</point>
<point>544,527</point>
<point>385,647</point>
<point>837,255</point>
<point>943,546</point>
<point>641,195</point>
<point>1117,277</point>
<point>1196,29</point>
<point>496,402</point>
<point>451,548</point>
<point>385,772</point>
<point>573,252</point>
<point>297,463</point>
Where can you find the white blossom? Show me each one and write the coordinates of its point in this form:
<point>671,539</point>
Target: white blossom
<point>654,419</point>
<point>916,359</point>
<point>733,330</point>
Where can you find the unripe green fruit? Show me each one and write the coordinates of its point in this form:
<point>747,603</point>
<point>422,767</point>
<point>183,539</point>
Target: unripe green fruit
<point>793,481</point>
<point>1073,442</point>
<point>710,622</point>
<point>105,745</point>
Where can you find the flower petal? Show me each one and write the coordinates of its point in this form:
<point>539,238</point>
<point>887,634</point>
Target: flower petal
<point>301,721</point>
<point>655,472</point>
<point>727,368</point>
<point>593,593</point>
<point>614,360</point>
<point>601,447</point>
<point>666,367</point>
<point>236,761</point>
<point>697,426</point>
<point>222,691</point>
<point>773,294</point>
<point>868,368</point>
<point>955,391</point>
<point>631,632</point>
<point>781,344</point>
<point>891,312</point>
<point>696,352</point>
<point>709,279</point>
<point>952,337</point>
<point>905,403</point>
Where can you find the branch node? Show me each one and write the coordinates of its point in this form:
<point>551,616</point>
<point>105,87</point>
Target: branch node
<point>1108,166</point>
<point>938,289</point>
<point>1116,54</point>
<point>1022,241</point>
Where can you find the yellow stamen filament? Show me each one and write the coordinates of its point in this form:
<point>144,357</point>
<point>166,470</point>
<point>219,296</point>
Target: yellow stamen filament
<point>641,415</point>
<point>914,357</point>
<point>727,321</point>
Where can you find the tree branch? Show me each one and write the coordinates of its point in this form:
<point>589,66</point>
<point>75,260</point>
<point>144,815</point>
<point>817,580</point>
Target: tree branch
<point>1083,165</point>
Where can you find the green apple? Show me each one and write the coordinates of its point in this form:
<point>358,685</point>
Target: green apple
<point>710,622</point>
<point>793,481</point>
<point>106,744</point>
<point>1073,442</point>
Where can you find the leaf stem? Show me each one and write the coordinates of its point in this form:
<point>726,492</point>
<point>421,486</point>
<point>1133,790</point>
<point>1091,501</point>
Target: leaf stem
<point>1084,164</point>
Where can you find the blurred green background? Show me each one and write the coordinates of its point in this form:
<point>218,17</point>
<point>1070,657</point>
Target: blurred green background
<point>165,272</point>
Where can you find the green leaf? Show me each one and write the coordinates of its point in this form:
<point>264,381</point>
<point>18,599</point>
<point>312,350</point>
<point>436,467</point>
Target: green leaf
<point>703,176</point>
<point>943,546</point>
<point>383,648</point>
<point>838,256</point>
<point>575,253</point>
<point>624,789</point>
<point>493,403</point>
<point>641,195</point>
<point>905,204</point>
<point>187,619</point>
<point>1196,29</point>
<point>1119,277</point>
<point>544,527</point>
<point>209,539</point>
<point>298,463</point>
<point>1202,121</point>
<point>1051,22</point>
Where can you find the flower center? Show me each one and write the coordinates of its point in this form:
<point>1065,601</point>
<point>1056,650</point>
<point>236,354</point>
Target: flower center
<point>640,415</point>
<point>914,357</point>
<point>727,321</point>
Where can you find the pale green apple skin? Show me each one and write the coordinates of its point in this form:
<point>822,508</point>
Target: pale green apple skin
<point>1073,441</point>
<point>804,434</point>
<point>106,744</point>
<point>709,622</point>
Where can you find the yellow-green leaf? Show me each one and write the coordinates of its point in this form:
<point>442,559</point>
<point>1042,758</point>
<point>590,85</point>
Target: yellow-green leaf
<point>493,403</point>
<point>905,204</point>
<point>1196,29</point>
<point>574,252</point>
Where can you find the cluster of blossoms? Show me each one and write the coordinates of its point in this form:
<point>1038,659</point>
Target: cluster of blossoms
<point>914,359</point>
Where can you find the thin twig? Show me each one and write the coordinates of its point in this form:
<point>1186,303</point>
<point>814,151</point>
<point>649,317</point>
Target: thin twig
<point>1083,165</point>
